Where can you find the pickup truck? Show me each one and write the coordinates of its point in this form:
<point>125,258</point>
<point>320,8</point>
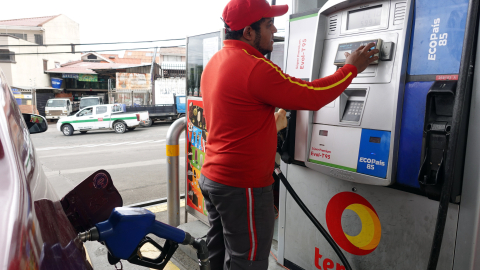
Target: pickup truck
<point>57,108</point>
<point>171,109</point>
<point>101,117</point>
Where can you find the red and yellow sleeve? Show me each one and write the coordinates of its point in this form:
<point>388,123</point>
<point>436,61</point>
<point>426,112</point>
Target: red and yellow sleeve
<point>268,84</point>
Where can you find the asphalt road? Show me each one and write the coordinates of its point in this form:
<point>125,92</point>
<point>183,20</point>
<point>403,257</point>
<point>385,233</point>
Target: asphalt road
<point>136,160</point>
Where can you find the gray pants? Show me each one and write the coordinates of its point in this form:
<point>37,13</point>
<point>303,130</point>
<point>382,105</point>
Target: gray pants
<point>241,225</point>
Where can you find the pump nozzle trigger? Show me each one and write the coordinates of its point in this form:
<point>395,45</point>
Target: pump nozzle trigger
<point>158,263</point>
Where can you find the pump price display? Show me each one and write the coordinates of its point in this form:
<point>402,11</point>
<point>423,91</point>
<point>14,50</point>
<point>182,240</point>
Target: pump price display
<point>351,46</point>
<point>364,17</point>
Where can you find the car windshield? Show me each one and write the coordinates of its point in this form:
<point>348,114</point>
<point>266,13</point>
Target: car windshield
<point>56,103</point>
<point>89,102</point>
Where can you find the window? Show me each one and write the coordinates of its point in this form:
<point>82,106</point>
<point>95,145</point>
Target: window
<point>22,36</point>
<point>172,58</point>
<point>7,56</point>
<point>39,39</point>
<point>117,108</point>
<point>57,64</point>
<point>92,56</point>
<point>45,65</point>
<point>101,109</point>
<point>86,112</point>
<point>68,103</point>
<point>55,103</point>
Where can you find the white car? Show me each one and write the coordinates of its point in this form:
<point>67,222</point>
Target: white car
<point>101,117</point>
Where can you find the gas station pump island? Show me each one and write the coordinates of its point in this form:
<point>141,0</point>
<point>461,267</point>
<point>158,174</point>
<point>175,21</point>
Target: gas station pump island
<point>381,167</point>
<point>371,165</point>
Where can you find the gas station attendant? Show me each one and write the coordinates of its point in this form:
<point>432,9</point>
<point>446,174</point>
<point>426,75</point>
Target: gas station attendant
<point>241,89</point>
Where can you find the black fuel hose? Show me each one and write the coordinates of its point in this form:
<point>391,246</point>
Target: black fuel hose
<point>312,218</point>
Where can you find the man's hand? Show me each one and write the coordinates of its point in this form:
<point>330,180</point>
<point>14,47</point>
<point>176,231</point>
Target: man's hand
<point>361,57</point>
<point>281,119</point>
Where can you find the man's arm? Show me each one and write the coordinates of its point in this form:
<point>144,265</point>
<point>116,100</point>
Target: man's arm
<point>268,84</point>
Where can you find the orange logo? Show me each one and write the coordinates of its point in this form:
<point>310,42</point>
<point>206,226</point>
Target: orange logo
<point>368,238</point>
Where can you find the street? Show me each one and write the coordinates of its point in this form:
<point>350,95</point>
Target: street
<point>136,160</point>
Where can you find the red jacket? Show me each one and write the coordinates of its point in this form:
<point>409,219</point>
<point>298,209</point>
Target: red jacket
<point>241,89</point>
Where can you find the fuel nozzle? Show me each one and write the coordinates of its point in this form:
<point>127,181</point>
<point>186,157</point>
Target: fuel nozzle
<point>126,230</point>
<point>90,235</point>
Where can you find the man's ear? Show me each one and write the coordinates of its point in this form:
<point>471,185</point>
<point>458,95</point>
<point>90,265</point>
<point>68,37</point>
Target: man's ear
<point>249,33</point>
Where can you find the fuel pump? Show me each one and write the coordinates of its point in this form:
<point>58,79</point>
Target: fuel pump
<point>373,164</point>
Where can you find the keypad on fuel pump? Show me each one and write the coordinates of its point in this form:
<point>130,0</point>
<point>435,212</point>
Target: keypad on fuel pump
<point>353,111</point>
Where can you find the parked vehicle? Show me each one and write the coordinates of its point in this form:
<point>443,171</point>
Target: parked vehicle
<point>101,117</point>
<point>35,232</point>
<point>90,101</point>
<point>172,108</point>
<point>57,108</point>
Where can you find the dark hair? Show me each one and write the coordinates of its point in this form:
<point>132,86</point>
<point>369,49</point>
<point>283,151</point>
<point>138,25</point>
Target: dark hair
<point>236,35</point>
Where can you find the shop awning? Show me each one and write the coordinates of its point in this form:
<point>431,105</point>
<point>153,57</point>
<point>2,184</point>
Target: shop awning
<point>87,67</point>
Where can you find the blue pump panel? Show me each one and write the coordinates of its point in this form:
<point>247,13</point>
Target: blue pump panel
<point>411,134</point>
<point>374,152</point>
<point>437,37</point>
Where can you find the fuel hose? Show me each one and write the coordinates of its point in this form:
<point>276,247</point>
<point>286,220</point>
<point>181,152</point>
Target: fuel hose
<point>312,218</point>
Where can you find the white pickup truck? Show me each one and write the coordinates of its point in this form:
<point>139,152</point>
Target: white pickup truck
<point>101,117</point>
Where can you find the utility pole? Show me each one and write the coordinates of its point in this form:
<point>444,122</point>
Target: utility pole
<point>153,72</point>
<point>34,94</point>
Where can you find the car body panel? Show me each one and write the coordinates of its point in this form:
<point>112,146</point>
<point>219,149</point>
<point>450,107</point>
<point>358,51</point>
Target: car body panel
<point>29,238</point>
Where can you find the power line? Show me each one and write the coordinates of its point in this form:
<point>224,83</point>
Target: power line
<point>106,43</point>
<point>88,44</point>
<point>93,51</point>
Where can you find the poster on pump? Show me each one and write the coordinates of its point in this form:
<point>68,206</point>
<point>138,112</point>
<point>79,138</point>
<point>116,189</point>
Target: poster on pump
<point>196,139</point>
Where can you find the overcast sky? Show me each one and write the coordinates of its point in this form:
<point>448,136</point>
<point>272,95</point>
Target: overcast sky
<point>116,21</point>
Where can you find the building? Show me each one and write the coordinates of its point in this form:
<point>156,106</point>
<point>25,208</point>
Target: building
<point>25,66</point>
<point>126,80</point>
<point>172,61</point>
<point>96,74</point>
<point>170,54</point>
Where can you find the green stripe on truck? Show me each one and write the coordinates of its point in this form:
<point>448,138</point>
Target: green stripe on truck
<point>96,120</point>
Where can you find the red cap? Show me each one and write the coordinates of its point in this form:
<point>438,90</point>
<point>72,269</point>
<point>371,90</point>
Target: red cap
<point>239,14</point>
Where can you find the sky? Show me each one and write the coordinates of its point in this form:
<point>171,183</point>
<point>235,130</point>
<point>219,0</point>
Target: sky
<point>118,21</point>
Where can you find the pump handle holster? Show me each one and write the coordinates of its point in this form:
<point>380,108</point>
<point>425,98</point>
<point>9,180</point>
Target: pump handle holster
<point>286,139</point>
<point>436,134</point>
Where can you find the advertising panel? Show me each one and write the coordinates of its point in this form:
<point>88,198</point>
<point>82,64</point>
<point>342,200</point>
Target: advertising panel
<point>88,77</point>
<point>196,139</point>
<point>133,81</point>
<point>301,47</point>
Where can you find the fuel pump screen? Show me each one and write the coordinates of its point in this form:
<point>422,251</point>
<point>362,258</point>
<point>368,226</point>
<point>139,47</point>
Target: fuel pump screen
<point>351,46</point>
<point>364,17</point>
<point>375,139</point>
